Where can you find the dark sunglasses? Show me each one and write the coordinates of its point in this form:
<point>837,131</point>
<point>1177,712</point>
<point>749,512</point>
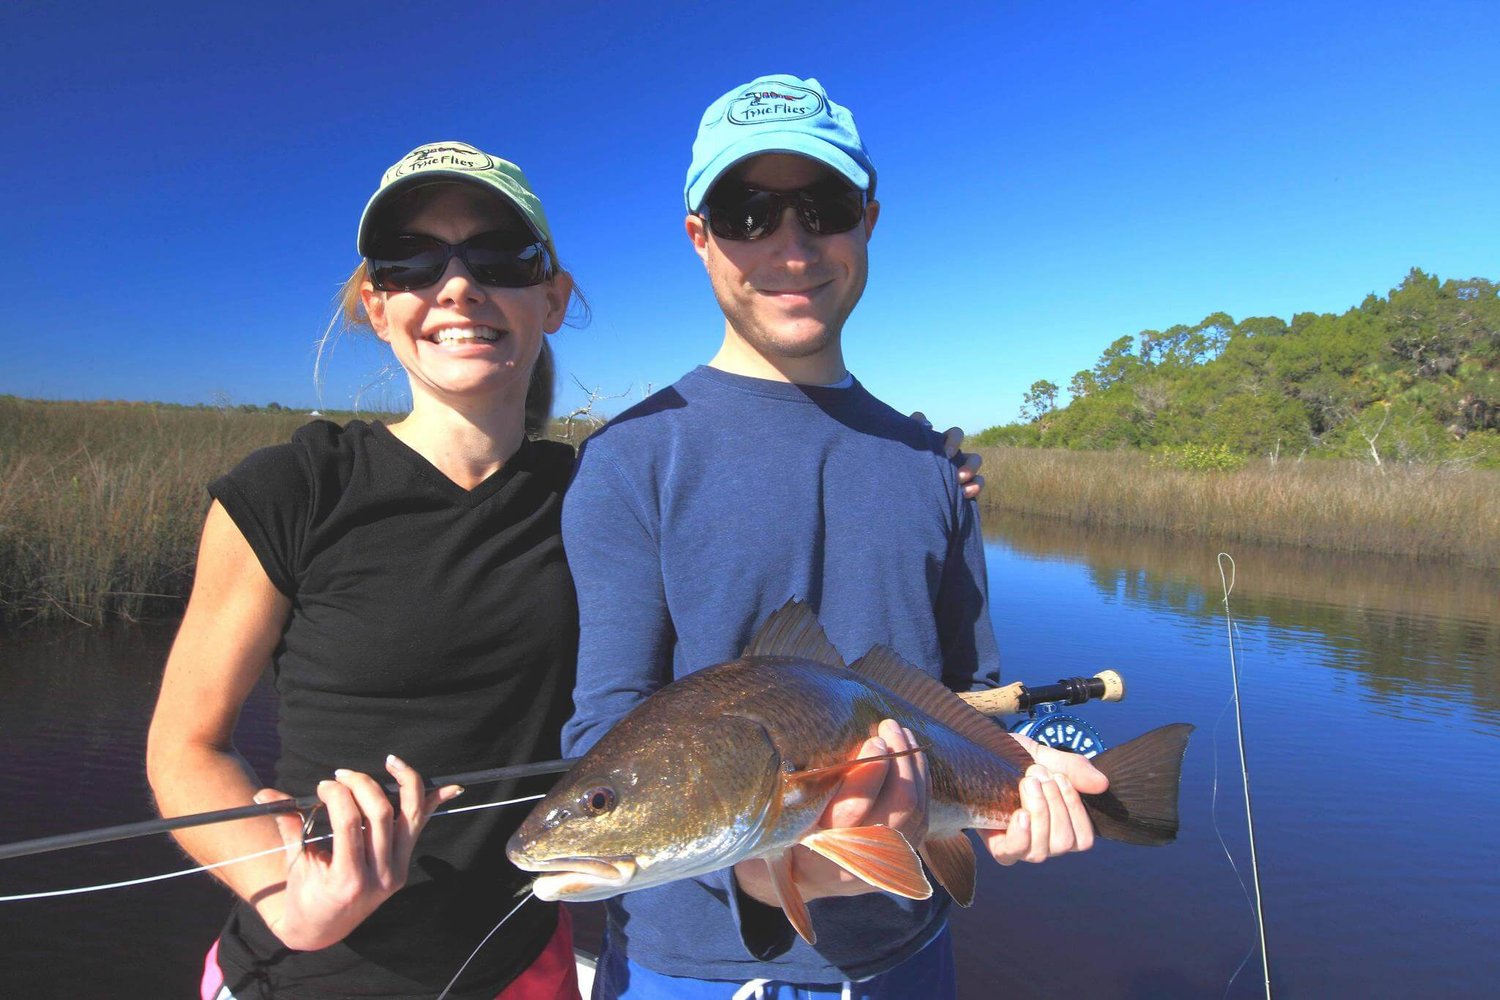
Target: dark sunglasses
<point>736,211</point>
<point>501,258</point>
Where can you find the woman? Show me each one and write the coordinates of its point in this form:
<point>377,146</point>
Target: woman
<point>408,585</point>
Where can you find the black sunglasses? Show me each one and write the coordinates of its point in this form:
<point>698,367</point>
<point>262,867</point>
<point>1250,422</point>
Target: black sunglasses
<point>500,258</point>
<point>737,211</point>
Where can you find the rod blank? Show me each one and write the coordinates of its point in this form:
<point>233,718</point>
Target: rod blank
<point>127,831</point>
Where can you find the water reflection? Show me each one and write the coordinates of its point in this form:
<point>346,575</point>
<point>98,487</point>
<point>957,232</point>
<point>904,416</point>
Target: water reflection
<point>1371,723</point>
<point>74,708</point>
<point>1409,629</point>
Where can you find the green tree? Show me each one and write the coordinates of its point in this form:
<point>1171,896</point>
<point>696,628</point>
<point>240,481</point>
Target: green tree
<point>1116,363</point>
<point>1039,400</point>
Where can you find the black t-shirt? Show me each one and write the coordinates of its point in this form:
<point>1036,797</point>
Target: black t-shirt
<point>428,621</point>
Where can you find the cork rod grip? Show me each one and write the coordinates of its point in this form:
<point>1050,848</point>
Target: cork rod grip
<point>997,701</point>
<point>1014,699</point>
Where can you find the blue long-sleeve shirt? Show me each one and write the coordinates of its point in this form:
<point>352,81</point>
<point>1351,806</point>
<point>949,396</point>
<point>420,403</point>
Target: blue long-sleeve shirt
<point>694,515</point>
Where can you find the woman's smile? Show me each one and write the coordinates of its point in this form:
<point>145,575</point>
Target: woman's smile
<point>464,335</point>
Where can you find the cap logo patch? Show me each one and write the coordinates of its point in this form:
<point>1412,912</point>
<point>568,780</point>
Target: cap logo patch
<point>440,157</point>
<point>779,103</point>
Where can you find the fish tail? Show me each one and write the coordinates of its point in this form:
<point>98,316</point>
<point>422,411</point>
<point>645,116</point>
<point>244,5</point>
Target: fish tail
<point>1140,806</point>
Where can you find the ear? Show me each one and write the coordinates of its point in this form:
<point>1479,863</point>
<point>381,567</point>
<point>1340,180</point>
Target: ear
<point>698,232</point>
<point>559,291</point>
<point>872,212</point>
<point>374,303</point>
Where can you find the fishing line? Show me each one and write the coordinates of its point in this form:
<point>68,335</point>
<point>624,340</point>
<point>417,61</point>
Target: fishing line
<point>1228,580</point>
<point>234,861</point>
<point>477,948</point>
<point>149,878</point>
<point>1218,831</point>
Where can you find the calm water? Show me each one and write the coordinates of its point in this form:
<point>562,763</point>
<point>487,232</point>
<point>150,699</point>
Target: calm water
<point>1372,709</point>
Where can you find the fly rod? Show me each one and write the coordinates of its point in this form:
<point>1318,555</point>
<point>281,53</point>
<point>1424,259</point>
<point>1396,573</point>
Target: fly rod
<point>1009,700</point>
<point>127,831</point>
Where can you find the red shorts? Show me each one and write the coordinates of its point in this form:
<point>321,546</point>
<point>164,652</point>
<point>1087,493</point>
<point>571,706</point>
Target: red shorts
<point>553,976</point>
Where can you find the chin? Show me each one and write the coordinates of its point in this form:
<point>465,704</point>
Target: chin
<point>802,345</point>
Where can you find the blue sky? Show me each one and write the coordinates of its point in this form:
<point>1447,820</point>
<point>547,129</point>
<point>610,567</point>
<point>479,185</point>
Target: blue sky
<point>183,187</point>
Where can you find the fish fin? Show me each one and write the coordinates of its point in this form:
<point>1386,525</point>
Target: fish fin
<point>792,904</point>
<point>793,630</point>
<point>1140,806</point>
<point>952,861</point>
<point>877,854</point>
<point>885,667</point>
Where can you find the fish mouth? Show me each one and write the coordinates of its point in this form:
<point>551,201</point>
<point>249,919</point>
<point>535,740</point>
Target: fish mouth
<point>581,879</point>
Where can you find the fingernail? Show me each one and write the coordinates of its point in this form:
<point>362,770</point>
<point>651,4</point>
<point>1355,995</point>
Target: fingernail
<point>880,746</point>
<point>461,789</point>
<point>1023,820</point>
<point>342,772</point>
<point>391,760</point>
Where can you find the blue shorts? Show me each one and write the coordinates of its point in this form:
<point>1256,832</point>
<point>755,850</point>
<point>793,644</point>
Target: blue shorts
<point>928,974</point>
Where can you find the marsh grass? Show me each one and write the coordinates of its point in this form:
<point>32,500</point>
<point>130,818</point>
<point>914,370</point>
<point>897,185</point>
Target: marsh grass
<point>101,503</point>
<point>1440,512</point>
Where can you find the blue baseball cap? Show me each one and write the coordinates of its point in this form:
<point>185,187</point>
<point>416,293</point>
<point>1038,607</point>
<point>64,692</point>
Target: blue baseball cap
<point>776,114</point>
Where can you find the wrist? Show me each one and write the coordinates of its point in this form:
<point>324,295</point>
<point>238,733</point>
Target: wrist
<point>272,911</point>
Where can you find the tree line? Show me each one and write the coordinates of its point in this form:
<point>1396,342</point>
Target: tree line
<point>1413,376</point>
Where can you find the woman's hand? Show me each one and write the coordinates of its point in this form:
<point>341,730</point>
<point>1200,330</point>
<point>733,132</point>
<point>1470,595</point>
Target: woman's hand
<point>889,792</point>
<point>1052,819</point>
<point>329,892</point>
<point>968,464</point>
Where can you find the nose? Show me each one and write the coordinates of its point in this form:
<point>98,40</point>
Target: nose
<point>457,285</point>
<point>791,241</point>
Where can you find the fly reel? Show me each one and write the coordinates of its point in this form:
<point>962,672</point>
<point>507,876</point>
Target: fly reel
<point>1050,725</point>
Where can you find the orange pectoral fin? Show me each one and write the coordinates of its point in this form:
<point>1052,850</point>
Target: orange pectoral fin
<point>792,905</point>
<point>876,854</point>
<point>952,861</point>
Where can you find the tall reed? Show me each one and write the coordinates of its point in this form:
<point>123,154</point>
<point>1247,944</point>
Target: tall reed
<point>101,503</point>
<point>1433,512</point>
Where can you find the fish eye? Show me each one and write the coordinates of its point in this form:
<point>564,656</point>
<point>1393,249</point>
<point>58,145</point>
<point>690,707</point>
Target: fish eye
<point>597,801</point>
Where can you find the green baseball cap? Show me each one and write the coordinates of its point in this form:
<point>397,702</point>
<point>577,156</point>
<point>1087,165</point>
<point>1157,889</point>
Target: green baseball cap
<point>455,162</point>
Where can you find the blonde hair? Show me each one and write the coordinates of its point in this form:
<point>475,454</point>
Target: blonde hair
<point>350,314</point>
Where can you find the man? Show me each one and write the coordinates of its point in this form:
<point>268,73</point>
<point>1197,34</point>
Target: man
<point>771,473</point>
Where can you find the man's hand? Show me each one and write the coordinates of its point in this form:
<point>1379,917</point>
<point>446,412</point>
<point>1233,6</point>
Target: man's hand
<point>968,465</point>
<point>1052,819</point>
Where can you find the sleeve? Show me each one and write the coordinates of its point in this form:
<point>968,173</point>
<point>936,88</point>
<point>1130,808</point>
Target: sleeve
<point>269,496</point>
<point>625,635</point>
<point>971,658</point>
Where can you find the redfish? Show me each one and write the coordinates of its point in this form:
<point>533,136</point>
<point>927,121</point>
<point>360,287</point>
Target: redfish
<point>739,761</point>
